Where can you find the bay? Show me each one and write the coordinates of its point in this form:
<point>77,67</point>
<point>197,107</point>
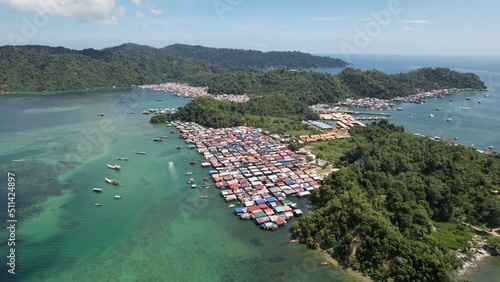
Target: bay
<point>58,146</point>
<point>161,230</point>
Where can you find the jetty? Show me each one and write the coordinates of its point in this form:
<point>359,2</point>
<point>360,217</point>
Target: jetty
<point>255,171</point>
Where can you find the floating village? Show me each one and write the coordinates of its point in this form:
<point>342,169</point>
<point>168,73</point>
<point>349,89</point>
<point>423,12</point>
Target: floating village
<point>186,91</point>
<point>256,172</point>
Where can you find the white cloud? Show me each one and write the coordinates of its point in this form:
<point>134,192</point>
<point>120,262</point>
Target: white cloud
<point>411,29</point>
<point>415,21</point>
<point>136,2</point>
<point>139,15</point>
<point>326,19</point>
<point>156,11</point>
<point>96,11</point>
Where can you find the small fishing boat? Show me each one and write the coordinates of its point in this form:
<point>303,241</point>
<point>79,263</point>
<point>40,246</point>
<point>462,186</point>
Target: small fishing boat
<point>95,189</point>
<point>231,206</point>
<point>100,114</point>
<point>117,197</point>
<point>191,180</point>
<point>204,196</point>
<point>140,153</point>
<point>122,158</point>
<point>189,173</point>
<point>179,147</point>
<point>98,205</point>
<point>172,131</point>
<point>192,162</point>
<point>158,139</point>
<point>111,181</point>
<point>115,167</point>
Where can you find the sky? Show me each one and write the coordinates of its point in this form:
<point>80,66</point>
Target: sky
<point>417,27</point>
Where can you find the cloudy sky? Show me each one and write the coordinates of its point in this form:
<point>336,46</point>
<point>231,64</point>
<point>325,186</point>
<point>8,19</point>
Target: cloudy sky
<point>451,27</point>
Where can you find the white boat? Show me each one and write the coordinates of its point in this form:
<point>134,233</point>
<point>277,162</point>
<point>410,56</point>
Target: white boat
<point>96,189</point>
<point>231,206</point>
<point>448,119</point>
<point>115,167</point>
<point>117,197</point>
<point>140,153</point>
<point>111,181</point>
<point>431,115</point>
<point>98,205</point>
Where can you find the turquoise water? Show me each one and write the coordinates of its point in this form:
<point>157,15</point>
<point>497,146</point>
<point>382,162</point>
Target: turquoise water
<point>162,230</point>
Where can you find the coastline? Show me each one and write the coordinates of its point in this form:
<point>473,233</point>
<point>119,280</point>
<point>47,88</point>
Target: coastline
<point>480,257</point>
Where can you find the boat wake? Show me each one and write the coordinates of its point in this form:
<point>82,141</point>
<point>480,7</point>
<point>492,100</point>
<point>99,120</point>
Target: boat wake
<point>171,169</point>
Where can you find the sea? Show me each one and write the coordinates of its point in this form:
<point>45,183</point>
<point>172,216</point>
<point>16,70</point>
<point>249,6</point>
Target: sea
<point>55,148</point>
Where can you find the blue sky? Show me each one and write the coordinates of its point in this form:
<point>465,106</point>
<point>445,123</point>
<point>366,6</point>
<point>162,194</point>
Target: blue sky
<point>440,27</point>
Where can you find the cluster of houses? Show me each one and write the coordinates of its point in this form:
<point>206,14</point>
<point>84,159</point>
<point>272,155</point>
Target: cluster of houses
<point>255,170</point>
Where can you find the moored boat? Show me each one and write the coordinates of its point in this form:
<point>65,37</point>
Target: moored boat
<point>158,139</point>
<point>115,167</point>
<point>122,158</point>
<point>98,205</point>
<point>140,153</point>
<point>192,162</point>
<point>111,181</point>
<point>204,196</point>
<point>95,189</point>
<point>117,197</point>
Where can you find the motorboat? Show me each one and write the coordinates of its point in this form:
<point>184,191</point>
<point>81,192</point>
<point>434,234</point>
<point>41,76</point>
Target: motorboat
<point>111,181</point>
<point>96,189</point>
<point>98,205</point>
<point>140,153</point>
<point>117,197</point>
<point>115,167</point>
<point>122,158</point>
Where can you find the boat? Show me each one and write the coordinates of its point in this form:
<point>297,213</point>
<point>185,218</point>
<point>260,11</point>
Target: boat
<point>122,158</point>
<point>179,147</point>
<point>164,137</point>
<point>189,173</point>
<point>464,108</point>
<point>204,196</point>
<point>158,139</point>
<point>431,115</point>
<point>399,109</point>
<point>191,180</point>
<point>194,185</point>
<point>130,113</point>
<point>159,100</point>
<point>98,205</point>
<point>117,197</point>
<point>111,181</point>
<point>468,98</point>
<point>140,153</point>
<point>115,167</point>
<point>490,147</point>
<point>438,109</point>
<point>145,112</point>
<point>96,189</point>
<point>172,131</point>
<point>100,114</point>
<point>448,119</point>
<point>231,206</point>
<point>192,162</point>
<point>479,101</point>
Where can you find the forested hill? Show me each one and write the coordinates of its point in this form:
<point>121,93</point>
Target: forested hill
<point>238,58</point>
<point>42,68</point>
<point>395,209</point>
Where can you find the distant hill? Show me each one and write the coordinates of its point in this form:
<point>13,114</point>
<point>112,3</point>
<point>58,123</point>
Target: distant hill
<point>42,68</point>
<point>238,58</point>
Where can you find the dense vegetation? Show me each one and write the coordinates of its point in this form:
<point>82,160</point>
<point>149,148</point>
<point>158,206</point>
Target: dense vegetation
<point>276,113</point>
<point>42,68</point>
<point>396,205</point>
<point>251,59</point>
